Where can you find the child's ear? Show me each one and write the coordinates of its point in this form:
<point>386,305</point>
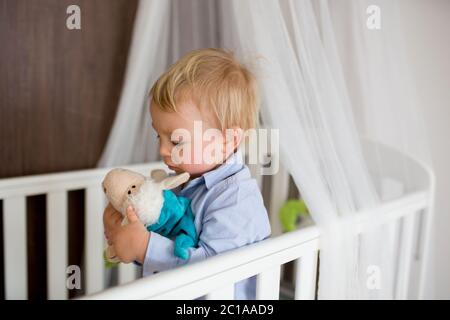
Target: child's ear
<point>158,175</point>
<point>233,138</point>
<point>174,181</point>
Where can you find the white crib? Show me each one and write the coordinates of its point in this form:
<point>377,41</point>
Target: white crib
<point>408,207</point>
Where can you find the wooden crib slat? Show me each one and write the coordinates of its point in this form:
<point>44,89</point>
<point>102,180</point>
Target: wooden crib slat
<point>252,156</point>
<point>279,194</point>
<point>268,284</point>
<point>224,293</point>
<point>405,256</point>
<point>57,244</point>
<point>94,264</point>
<point>15,238</point>
<point>305,276</point>
<point>127,272</point>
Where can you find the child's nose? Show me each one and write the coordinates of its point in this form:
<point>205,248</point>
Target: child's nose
<point>164,149</point>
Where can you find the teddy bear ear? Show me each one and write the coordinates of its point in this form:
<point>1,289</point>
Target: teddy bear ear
<point>174,181</point>
<point>158,175</point>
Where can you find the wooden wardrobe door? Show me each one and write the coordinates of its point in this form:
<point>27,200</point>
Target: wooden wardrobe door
<point>59,90</point>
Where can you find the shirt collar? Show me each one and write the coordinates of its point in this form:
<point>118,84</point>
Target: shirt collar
<point>233,164</point>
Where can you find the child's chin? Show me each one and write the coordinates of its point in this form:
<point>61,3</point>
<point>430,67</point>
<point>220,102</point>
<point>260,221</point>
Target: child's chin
<point>176,169</point>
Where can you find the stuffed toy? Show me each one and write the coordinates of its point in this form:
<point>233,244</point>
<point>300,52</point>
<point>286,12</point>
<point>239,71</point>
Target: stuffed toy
<point>158,208</point>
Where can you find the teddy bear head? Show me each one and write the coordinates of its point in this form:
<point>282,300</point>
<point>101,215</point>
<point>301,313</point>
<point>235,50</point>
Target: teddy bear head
<point>125,187</point>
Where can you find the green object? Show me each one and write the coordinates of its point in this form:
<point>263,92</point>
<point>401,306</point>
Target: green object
<point>290,212</point>
<point>109,264</point>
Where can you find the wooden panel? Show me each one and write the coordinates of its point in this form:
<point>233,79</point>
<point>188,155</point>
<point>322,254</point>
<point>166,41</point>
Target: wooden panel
<point>59,88</point>
<point>14,230</point>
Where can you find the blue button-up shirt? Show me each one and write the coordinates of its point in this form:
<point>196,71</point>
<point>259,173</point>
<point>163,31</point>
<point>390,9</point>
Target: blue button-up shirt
<point>229,213</point>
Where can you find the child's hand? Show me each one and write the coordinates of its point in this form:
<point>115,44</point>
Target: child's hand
<point>129,241</point>
<point>111,220</point>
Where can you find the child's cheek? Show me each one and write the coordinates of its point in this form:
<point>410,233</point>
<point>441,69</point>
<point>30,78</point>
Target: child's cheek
<point>193,154</point>
<point>181,155</point>
<point>197,159</point>
<point>212,153</point>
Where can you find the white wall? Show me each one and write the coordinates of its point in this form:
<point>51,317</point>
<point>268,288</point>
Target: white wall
<point>427,27</point>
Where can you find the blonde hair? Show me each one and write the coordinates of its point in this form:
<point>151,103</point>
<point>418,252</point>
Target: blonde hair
<point>216,81</point>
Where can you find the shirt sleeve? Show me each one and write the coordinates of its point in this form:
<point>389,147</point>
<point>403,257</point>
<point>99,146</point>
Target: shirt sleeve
<point>234,219</point>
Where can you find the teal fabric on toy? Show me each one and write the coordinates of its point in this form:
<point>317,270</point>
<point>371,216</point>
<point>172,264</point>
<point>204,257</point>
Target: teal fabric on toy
<point>177,221</point>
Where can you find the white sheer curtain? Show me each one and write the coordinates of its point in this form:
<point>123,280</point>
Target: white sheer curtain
<point>322,103</point>
<point>305,99</point>
<point>130,138</point>
<point>163,32</point>
<point>384,101</point>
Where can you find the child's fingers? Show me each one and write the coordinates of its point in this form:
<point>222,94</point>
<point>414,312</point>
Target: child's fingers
<point>111,217</point>
<point>131,214</point>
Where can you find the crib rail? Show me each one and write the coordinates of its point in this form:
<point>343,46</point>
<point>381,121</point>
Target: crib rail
<point>55,187</point>
<point>13,193</point>
<point>215,277</point>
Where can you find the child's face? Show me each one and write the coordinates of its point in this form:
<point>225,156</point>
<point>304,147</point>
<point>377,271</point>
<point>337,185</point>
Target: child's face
<point>182,135</point>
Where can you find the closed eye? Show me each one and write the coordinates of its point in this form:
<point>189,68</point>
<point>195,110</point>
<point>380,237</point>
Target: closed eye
<point>175,143</point>
<point>179,142</point>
